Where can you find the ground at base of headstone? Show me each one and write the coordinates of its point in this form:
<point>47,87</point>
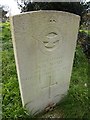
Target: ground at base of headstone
<point>51,113</point>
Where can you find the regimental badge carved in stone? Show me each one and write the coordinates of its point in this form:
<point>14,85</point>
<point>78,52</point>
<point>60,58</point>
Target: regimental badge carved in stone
<point>51,40</point>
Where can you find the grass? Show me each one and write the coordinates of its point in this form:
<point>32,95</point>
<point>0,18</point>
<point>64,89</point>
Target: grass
<point>74,105</point>
<point>85,31</point>
<point>11,104</point>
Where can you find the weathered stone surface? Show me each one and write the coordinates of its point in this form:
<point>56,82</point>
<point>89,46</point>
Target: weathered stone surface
<point>44,45</point>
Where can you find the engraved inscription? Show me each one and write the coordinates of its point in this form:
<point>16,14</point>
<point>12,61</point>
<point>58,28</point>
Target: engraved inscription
<point>49,71</point>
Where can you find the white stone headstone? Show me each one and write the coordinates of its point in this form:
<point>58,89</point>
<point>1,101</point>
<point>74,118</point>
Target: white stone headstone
<point>44,44</point>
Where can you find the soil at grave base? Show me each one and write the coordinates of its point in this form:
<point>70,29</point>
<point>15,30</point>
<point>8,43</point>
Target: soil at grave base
<point>55,113</point>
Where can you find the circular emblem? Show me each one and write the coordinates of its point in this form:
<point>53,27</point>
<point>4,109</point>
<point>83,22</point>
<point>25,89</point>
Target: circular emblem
<point>49,40</point>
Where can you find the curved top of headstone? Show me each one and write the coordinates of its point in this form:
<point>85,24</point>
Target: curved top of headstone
<point>49,11</point>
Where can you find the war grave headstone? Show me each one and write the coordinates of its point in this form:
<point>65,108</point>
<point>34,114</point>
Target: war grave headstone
<point>44,45</point>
